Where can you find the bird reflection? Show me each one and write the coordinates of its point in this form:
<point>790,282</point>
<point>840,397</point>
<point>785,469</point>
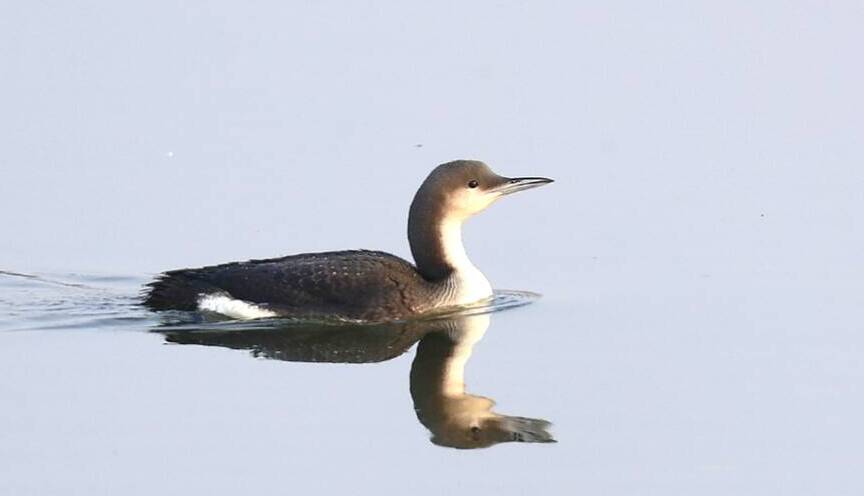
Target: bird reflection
<point>458,419</point>
<point>454,417</point>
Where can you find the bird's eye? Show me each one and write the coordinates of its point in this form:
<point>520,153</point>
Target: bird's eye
<point>475,429</point>
<point>473,183</point>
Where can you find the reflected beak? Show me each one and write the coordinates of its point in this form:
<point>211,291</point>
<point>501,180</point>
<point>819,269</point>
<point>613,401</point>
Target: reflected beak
<point>514,184</point>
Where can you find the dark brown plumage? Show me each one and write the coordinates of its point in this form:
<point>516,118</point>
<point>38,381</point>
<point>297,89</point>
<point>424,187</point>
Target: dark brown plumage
<point>353,285</point>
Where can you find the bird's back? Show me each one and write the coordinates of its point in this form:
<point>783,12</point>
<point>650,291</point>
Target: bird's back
<point>355,285</point>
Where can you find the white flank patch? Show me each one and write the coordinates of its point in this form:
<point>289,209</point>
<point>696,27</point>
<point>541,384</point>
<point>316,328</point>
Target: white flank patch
<point>229,307</point>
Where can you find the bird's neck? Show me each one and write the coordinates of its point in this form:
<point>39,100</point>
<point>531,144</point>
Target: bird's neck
<point>435,239</point>
<point>448,236</point>
<point>436,244</point>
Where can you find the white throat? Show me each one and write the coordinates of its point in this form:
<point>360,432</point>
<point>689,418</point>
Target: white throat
<point>468,284</point>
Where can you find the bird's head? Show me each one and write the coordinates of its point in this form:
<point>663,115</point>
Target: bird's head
<point>463,188</point>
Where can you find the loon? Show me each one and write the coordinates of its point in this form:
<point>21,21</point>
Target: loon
<point>357,285</point>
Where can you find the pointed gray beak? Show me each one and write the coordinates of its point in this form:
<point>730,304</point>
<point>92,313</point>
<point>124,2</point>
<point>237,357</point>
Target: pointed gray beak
<point>514,184</point>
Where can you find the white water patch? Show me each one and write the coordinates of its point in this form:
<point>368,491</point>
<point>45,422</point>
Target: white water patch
<point>230,307</point>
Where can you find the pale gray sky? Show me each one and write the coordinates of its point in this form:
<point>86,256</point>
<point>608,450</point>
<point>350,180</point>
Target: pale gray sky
<point>146,136</point>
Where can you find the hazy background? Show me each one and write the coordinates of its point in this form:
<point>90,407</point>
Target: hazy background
<point>700,252</point>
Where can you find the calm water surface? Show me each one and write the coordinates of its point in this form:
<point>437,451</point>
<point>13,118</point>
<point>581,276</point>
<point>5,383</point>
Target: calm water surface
<point>701,329</point>
<point>102,394</point>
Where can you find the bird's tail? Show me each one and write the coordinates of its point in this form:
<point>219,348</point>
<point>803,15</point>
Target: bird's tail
<point>176,290</point>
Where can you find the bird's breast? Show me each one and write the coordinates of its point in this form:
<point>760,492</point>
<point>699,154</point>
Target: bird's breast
<point>465,286</point>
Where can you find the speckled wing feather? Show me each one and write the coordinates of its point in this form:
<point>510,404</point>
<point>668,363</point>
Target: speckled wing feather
<point>366,285</point>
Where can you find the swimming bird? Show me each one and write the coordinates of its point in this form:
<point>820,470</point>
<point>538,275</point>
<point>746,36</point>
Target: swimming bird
<point>358,285</point>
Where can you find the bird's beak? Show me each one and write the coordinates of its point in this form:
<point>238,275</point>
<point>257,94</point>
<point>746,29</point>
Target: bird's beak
<point>514,184</point>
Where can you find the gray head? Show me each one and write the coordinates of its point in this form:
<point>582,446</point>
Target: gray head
<point>492,430</point>
<point>462,188</point>
<point>453,192</point>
